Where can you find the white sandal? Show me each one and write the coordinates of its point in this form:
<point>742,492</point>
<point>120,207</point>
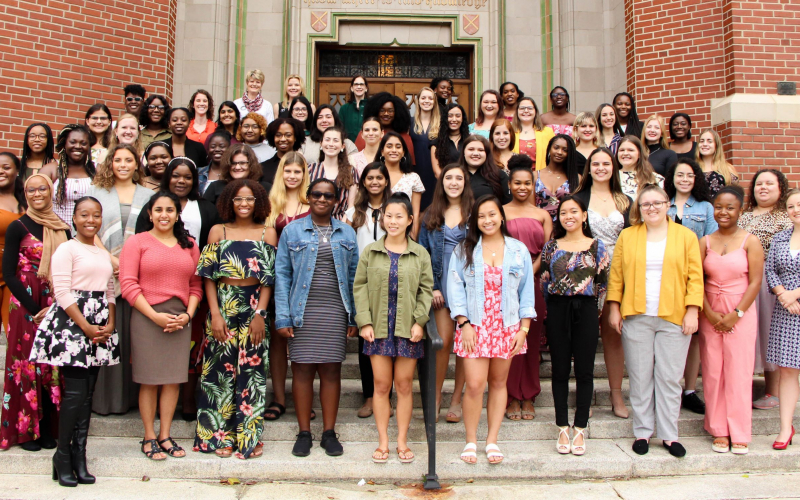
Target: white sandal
<point>492,451</point>
<point>470,451</point>
<point>562,447</point>
<point>581,448</point>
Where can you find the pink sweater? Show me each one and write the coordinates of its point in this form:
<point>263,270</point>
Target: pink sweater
<point>150,268</point>
<point>81,267</point>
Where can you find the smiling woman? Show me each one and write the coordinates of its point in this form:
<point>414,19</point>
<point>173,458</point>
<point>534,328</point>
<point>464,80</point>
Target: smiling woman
<point>154,119</point>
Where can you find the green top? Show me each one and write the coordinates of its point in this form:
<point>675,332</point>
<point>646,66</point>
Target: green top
<point>414,289</point>
<point>352,118</point>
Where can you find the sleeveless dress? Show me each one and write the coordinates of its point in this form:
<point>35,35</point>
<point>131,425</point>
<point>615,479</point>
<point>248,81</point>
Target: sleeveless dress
<point>549,201</point>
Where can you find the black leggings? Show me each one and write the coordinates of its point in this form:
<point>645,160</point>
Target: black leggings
<point>572,331</point>
<point>76,372</point>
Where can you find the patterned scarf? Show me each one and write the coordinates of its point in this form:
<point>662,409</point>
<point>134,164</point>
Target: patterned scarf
<point>252,105</point>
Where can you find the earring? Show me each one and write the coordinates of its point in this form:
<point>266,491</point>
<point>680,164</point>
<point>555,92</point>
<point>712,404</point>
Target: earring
<point>383,159</point>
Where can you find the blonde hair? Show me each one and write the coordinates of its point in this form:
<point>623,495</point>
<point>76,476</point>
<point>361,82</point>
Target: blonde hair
<point>137,144</point>
<point>277,195</point>
<point>635,214</point>
<point>255,74</point>
<point>436,117</point>
<point>581,119</point>
<point>663,141</point>
<point>721,165</point>
<point>288,100</point>
<point>104,178</point>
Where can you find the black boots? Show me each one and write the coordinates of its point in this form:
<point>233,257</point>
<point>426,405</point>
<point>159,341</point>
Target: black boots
<point>78,450</point>
<point>72,403</point>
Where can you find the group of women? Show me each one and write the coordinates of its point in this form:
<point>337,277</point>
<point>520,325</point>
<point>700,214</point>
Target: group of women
<point>289,228</point>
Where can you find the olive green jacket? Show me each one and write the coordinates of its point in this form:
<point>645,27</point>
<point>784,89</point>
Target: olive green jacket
<point>414,289</point>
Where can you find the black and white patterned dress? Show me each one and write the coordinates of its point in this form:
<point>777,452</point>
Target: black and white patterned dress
<point>782,268</point>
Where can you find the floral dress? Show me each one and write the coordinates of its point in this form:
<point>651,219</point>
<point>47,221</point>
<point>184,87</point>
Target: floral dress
<point>26,382</point>
<point>231,398</point>
<point>630,186</point>
<point>548,201</point>
<point>715,181</point>
<point>492,339</point>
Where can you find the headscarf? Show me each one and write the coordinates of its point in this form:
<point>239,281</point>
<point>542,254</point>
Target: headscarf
<point>54,229</point>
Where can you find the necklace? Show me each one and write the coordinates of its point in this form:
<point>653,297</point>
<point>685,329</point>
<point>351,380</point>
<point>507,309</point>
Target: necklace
<point>551,172</point>
<point>725,245</point>
<point>325,234</point>
<point>604,200</point>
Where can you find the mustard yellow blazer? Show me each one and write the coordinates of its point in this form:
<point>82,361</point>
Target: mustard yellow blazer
<point>681,281</point>
<point>542,139</point>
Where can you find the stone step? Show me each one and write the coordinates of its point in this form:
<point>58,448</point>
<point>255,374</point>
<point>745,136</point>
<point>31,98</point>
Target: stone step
<point>538,459</point>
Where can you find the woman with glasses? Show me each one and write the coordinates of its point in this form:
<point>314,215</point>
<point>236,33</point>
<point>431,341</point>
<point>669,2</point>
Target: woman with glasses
<point>253,132</point>
<point>98,120</point>
<point>559,118</point>
<point>655,291</point>
<point>300,110</point>
<point>352,112</point>
<point>154,120</point>
<point>532,136</point>
<point>38,149</point>
<point>238,162</point>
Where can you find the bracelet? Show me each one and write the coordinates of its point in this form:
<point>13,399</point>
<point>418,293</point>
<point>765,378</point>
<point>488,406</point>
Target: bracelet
<point>466,322</point>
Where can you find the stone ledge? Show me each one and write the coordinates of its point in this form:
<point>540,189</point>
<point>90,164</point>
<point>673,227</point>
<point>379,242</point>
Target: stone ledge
<point>756,107</point>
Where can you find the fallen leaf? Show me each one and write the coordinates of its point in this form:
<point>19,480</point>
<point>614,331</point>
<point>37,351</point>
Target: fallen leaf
<point>232,480</point>
<point>371,482</point>
<point>470,480</point>
<point>251,482</point>
<point>145,478</point>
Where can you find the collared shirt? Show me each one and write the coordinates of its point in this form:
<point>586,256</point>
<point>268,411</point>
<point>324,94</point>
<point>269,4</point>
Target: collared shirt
<point>697,216</point>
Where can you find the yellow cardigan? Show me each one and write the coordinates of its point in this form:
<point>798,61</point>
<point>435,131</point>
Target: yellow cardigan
<point>542,139</point>
<point>681,280</point>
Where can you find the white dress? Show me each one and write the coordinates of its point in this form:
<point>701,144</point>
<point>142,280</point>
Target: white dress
<point>409,184</point>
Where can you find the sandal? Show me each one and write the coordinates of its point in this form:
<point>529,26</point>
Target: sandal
<point>257,451</point>
<point>380,456</point>
<point>578,449</point>
<point>225,452</point>
<point>563,448</point>
<point>470,451</point>
<point>492,451</point>
<point>740,448</point>
<point>454,414</point>
<point>313,414</point>
<point>173,449</point>
<point>528,414</point>
<point>721,445</point>
<point>514,414</point>
<point>406,456</point>
<point>154,449</point>
<point>274,411</point>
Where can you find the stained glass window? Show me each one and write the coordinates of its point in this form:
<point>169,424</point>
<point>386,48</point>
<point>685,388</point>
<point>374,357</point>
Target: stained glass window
<point>394,64</point>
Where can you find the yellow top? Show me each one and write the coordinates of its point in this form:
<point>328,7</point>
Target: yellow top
<point>681,280</point>
<point>542,139</point>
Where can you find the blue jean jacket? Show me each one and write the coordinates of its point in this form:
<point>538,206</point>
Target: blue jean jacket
<point>294,269</point>
<point>433,242</point>
<point>465,292</point>
<point>202,178</point>
<point>697,216</point>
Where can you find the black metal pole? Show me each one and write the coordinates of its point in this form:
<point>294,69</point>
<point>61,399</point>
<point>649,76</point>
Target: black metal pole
<point>427,386</point>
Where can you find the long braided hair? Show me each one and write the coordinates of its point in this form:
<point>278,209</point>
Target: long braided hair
<point>63,169</point>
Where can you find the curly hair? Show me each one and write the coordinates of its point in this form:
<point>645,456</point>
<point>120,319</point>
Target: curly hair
<point>225,200</point>
<point>402,118</point>
<point>255,171</point>
<point>62,168</point>
<point>210,112</point>
<point>260,121</point>
<point>179,230</point>
<point>144,113</point>
<point>699,189</point>
<point>336,190</point>
<point>297,128</point>
<point>783,185</point>
<point>105,173</point>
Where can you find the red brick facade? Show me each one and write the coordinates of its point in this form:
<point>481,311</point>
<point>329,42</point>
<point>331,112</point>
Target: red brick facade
<point>61,56</point>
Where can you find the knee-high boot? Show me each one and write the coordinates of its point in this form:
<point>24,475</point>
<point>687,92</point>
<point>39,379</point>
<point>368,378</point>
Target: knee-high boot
<point>71,404</point>
<point>82,434</point>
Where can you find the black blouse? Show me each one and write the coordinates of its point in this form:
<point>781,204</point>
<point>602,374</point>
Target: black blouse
<point>661,159</point>
<point>194,151</point>
<point>480,186</point>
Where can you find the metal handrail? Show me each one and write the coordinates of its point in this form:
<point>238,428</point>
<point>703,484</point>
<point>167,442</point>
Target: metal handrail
<point>427,386</point>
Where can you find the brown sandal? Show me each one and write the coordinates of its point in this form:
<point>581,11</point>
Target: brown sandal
<point>225,452</point>
<point>403,455</point>
<point>382,458</point>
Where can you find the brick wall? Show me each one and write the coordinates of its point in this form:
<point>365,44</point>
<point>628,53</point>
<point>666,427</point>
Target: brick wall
<point>754,145</point>
<point>61,56</point>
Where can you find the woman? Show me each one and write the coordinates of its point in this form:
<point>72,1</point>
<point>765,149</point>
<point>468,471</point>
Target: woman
<point>484,176</point>
<point>293,88</point>
<point>490,292</point>
<point>782,278</point>
<point>155,267</point>
<point>32,395</point>
<point>238,162</point>
<point>608,208</point>
<point>300,110</point>
<point>314,269</point>
<point>72,174</point>
<point>709,155</point>
<point>98,120</point>
<point>154,120</point>
<point>511,95</point>
<point>656,321</point>
<point>452,132</point>
<point>325,118</point>
<point>116,188</point>
<point>584,131</point>
<point>733,265</point>
<point>332,164</point>
<point>352,112</point>
<point>574,278</point>
<point>532,226</point>
<point>654,136</point>
<point>424,132</point>
<point>252,101</point>
<point>372,134</point>
<point>235,328</point>
<point>488,111</point>
<point>764,217</point>
<point>444,92</point>
<point>609,133</point>
<point>253,132</point>
<point>364,216</point>
<point>503,141</point>
<point>77,335</point>
<point>126,131</point>
<point>228,118</point>
<point>689,202</point>
<point>157,156</point>
<point>393,115</point>
<point>218,143</point>
<point>559,118</point>
<point>444,227</point>
<point>560,177</point>
<point>38,149</point>
<point>635,171</point>
<point>201,112</point>
<point>392,294</point>
<point>627,118</point>
<point>180,143</point>
<point>12,207</point>
<point>680,134</point>
<point>402,179</point>
<point>532,136</point>
<point>285,135</point>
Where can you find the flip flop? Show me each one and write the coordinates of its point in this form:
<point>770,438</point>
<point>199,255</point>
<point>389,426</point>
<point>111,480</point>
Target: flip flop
<point>406,453</point>
<point>384,456</point>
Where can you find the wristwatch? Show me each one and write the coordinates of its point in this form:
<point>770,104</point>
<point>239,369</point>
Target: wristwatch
<point>262,313</point>
<point>739,313</point>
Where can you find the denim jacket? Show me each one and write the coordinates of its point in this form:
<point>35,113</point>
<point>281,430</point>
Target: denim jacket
<point>202,178</point>
<point>697,216</point>
<point>294,269</point>
<point>465,292</point>
<point>433,241</point>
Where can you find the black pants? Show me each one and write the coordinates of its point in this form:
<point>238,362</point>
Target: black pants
<point>572,331</point>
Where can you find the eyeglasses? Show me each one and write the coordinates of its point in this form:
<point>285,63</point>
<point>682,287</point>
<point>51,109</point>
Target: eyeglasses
<point>684,176</point>
<point>319,194</point>
<point>41,189</point>
<point>558,94</point>
<point>153,106</point>
<point>133,99</point>
<point>250,127</point>
<point>658,205</point>
<point>240,163</point>
<point>99,118</point>
<point>359,85</point>
<point>386,112</point>
<point>300,111</point>
<point>41,137</point>
<point>244,199</point>
<point>525,108</point>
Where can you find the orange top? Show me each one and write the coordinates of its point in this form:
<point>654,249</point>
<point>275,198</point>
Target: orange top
<point>6,218</point>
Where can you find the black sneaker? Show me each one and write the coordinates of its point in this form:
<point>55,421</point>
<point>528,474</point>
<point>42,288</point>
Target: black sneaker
<point>330,441</point>
<point>692,402</point>
<point>302,447</point>
<point>641,446</point>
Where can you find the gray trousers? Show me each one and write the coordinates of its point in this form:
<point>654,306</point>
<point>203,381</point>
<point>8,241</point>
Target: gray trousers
<point>655,355</point>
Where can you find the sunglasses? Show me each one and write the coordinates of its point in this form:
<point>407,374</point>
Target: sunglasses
<point>319,194</point>
<point>133,99</point>
<point>153,106</point>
